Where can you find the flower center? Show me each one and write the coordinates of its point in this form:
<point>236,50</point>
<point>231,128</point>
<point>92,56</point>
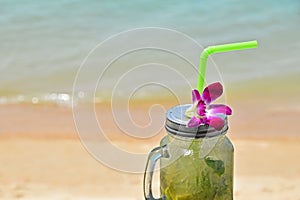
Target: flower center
<point>201,108</point>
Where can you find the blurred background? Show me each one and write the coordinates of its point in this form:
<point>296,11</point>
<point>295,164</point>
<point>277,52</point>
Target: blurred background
<point>43,44</point>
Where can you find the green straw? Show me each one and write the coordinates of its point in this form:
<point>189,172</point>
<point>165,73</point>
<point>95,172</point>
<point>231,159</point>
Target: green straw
<point>218,49</point>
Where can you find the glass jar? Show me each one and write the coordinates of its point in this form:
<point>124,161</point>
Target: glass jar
<point>195,163</point>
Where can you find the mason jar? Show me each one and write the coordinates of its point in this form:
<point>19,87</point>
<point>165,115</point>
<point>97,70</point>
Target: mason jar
<point>195,163</point>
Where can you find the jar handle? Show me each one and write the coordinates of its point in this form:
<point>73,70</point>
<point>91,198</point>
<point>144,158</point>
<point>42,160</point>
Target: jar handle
<point>155,155</point>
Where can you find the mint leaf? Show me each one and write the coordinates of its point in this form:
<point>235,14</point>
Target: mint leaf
<point>216,165</point>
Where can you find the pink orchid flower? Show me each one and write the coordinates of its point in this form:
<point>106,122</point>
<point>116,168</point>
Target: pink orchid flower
<point>203,112</point>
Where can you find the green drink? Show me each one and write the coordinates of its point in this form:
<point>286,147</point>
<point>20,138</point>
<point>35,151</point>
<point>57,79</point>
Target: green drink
<point>195,164</point>
<point>192,177</point>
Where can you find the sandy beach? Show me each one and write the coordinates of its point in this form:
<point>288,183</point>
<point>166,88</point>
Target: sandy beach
<point>42,156</point>
<point>62,169</point>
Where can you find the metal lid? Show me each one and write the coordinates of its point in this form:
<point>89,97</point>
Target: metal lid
<point>176,124</point>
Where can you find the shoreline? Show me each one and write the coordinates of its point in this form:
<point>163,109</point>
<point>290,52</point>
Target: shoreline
<point>243,89</point>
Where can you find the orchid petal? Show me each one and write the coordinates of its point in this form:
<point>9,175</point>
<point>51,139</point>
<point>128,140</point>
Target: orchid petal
<point>201,107</point>
<point>216,122</point>
<point>219,109</point>
<point>194,122</point>
<point>196,96</point>
<point>212,92</point>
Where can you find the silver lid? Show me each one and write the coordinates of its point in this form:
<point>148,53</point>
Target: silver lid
<point>176,124</point>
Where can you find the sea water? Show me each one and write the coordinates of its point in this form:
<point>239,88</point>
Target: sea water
<point>43,43</point>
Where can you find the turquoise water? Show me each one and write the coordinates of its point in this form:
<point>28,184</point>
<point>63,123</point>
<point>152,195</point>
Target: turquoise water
<point>43,43</point>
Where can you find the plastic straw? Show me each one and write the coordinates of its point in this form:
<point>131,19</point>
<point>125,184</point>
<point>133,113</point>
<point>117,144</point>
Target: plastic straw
<point>219,49</point>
